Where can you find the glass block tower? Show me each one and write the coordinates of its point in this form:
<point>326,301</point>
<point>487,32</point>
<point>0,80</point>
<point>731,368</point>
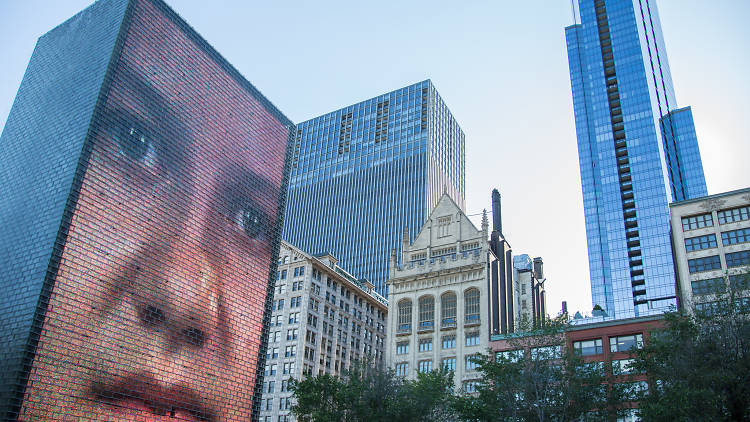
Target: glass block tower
<point>142,183</point>
<point>362,173</point>
<point>638,152</point>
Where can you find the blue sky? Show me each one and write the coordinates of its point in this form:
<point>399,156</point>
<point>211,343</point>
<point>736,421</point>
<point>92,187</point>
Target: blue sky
<point>500,66</point>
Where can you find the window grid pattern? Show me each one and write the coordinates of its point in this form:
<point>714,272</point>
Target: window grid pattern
<point>733,237</point>
<point>697,222</point>
<point>707,263</point>
<point>404,315</point>
<point>737,259</point>
<point>700,242</point>
<point>734,215</point>
<point>448,310</point>
<point>708,286</point>
<point>426,312</point>
<point>471,306</point>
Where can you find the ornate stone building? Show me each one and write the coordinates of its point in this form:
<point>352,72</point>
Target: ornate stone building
<point>444,302</point>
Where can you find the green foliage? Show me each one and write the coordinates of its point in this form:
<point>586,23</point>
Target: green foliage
<point>544,383</point>
<point>367,393</point>
<point>699,365</point>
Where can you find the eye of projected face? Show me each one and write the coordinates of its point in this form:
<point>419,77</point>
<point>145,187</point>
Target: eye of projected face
<point>135,143</point>
<point>251,221</point>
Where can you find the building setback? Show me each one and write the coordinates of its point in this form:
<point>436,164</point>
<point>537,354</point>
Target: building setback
<point>530,292</point>
<point>637,150</point>
<point>711,241</point>
<point>362,173</point>
<point>324,319</point>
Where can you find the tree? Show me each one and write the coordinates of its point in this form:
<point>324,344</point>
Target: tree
<point>368,393</point>
<point>699,365</point>
<point>539,380</point>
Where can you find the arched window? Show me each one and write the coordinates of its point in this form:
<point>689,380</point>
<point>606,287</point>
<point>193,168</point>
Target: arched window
<point>426,312</point>
<point>471,305</point>
<point>448,309</point>
<point>404,315</point>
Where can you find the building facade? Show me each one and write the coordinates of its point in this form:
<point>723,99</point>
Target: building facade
<point>607,343</point>
<point>711,241</point>
<point>637,150</point>
<point>530,292</point>
<point>444,301</point>
<point>362,173</point>
<point>141,215</point>
<point>324,319</point>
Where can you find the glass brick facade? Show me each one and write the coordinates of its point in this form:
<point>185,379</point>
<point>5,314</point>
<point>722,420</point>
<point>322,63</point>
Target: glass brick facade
<point>637,153</point>
<point>143,187</point>
<point>362,173</point>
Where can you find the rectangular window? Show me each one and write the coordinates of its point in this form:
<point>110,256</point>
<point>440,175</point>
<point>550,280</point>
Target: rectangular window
<point>734,215</point>
<point>740,281</point>
<point>708,286</point>
<point>546,352</point>
<point>625,343</point>
<point>471,386</point>
<point>697,222</point>
<point>449,364</point>
<point>472,339</point>
<point>737,259</point>
<point>735,236</point>
<point>707,263</point>
<point>402,348</point>
<point>425,345</point>
<point>449,342</point>
<point>425,366</point>
<point>291,334</point>
<point>510,355</point>
<point>290,351</point>
<point>402,369</point>
<point>271,369</point>
<point>622,367</point>
<point>471,365</point>
<point>588,347</point>
<point>283,274</point>
<point>700,242</point>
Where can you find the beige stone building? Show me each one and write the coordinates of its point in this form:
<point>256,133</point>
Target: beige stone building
<point>443,300</point>
<point>323,320</point>
<point>711,244</point>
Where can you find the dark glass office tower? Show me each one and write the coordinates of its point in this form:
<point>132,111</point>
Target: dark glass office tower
<point>638,152</point>
<point>362,173</point>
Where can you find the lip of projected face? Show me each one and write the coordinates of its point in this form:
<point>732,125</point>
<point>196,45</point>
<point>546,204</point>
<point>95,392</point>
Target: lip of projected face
<point>142,395</point>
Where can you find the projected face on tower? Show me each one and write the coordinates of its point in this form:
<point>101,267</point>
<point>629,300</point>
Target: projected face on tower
<point>158,304</point>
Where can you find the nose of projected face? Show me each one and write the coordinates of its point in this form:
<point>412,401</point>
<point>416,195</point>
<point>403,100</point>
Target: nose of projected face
<point>183,311</point>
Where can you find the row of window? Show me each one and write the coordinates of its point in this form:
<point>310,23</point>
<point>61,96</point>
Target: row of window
<point>725,217</point>
<point>448,342</point>
<point>616,344</point>
<point>709,263</point>
<point>718,284</point>
<point>294,302</point>
<point>448,305</point>
<point>424,366</point>
<point>708,241</point>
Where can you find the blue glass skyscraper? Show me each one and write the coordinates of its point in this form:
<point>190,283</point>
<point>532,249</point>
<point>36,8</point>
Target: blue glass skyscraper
<point>637,151</point>
<point>363,173</point>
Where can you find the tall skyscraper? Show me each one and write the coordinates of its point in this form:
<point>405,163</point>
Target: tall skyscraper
<point>637,151</point>
<point>362,173</point>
